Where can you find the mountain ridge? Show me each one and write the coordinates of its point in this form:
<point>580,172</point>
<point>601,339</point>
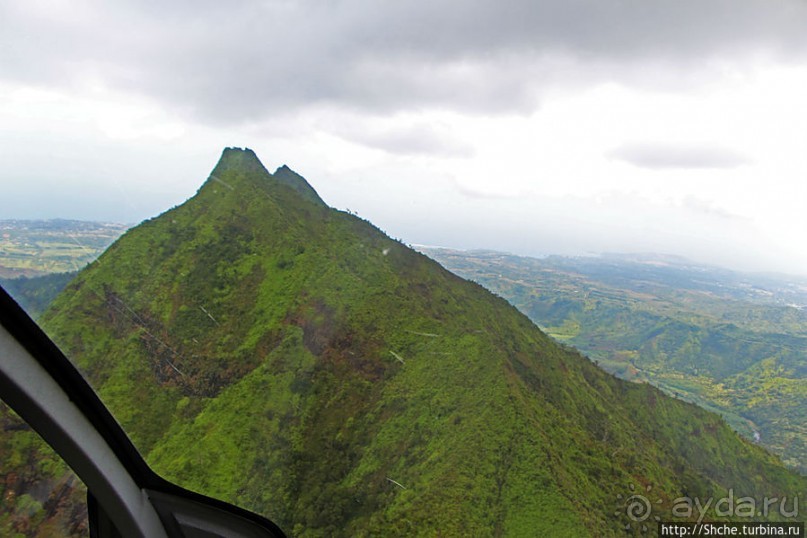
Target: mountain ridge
<point>292,359</point>
<point>731,342</point>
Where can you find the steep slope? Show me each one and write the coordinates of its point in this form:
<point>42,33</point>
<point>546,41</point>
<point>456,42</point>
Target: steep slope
<point>708,336</point>
<point>265,349</point>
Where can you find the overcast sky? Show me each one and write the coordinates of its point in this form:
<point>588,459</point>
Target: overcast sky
<point>536,127</point>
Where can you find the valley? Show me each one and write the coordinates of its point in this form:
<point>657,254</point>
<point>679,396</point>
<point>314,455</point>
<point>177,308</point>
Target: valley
<point>732,343</point>
<point>37,247</point>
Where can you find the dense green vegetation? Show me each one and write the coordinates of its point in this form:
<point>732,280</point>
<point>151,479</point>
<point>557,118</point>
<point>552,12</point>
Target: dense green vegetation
<point>728,342</point>
<point>263,348</point>
<point>34,294</point>
<point>40,497</point>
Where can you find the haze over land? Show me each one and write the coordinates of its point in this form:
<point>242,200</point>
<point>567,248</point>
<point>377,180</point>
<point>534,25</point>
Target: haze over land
<point>528,127</point>
<point>265,349</point>
<point>732,343</point>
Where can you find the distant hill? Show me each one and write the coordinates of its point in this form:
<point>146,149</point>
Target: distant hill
<point>265,349</point>
<point>36,293</point>
<point>734,343</point>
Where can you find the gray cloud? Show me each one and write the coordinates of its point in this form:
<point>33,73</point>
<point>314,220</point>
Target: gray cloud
<point>417,139</point>
<point>470,192</point>
<point>710,209</point>
<point>235,61</point>
<point>664,156</point>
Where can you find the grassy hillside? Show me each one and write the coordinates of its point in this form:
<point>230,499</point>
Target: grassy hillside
<point>723,340</point>
<point>265,349</point>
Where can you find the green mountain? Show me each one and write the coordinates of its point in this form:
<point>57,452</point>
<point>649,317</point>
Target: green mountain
<point>265,349</point>
<point>732,343</point>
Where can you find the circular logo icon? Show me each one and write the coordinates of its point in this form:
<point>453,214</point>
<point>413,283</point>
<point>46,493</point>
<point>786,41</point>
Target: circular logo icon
<point>637,507</point>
